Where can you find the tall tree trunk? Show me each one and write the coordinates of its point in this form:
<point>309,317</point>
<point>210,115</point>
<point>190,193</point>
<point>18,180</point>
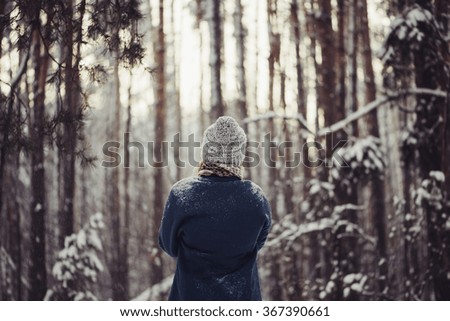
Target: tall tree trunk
<point>13,289</point>
<point>376,207</point>
<point>239,34</point>
<point>296,30</point>
<point>117,263</point>
<point>352,65</point>
<point>291,271</point>
<point>301,95</point>
<point>257,125</point>
<point>198,20</point>
<point>160,131</point>
<point>71,119</point>
<point>332,113</point>
<point>311,241</point>
<point>2,10</point>
<point>311,30</point>
<point>430,112</point>
<point>126,187</point>
<point>327,75</point>
<point>409,178</point>
<point>274,57</point>
<point>66,220</point>
<point>286,153</point>
<point>215,38</point>
<point>291,200</point>
<point>176,92</point>
<point>38,272</point>
<point>442,9</point>
<point>341,55</point>
<point>16,231</point>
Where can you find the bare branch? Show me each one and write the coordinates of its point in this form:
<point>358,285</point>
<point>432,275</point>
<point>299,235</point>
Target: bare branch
<point>297,117</point>
<point>362,111</point>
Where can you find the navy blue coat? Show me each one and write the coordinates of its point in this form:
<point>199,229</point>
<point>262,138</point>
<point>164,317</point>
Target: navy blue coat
<point>215,226</point>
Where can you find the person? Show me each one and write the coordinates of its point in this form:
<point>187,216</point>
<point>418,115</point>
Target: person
<point>216,222</point>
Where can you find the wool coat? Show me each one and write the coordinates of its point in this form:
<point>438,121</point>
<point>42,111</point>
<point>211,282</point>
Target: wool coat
<point>215,227</point>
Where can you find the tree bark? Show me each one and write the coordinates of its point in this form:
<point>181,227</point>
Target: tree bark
<point>2,9</point>
<point>176,92</point>
<point>327,86</point>
<point>198,20</point>
<point>215,32</point>
<point>341,89</point>
<point>442,9</point>
<point>430,112</point>
<point>301,95</point>
<point>311,240</point>
<point>126,187</point>
<point>71,119</point>
<point>327,75</point>
<point>352,65</point>
<point>119,280</point>
<point>160,131</point>
<point>239,34</point>
<point>38,272</point>
<point>274,57</point>
<point>376,207</point>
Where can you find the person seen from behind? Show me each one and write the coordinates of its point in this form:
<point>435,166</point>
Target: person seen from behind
<point>215,223</point>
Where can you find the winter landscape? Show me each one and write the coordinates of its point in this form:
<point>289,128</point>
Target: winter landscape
<point>346,108</point>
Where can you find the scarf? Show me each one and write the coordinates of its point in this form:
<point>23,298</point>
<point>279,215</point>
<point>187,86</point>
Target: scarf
<point>222,170</point>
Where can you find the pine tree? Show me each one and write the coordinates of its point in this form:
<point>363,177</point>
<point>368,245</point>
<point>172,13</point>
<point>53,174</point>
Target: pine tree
<point>77,265</point>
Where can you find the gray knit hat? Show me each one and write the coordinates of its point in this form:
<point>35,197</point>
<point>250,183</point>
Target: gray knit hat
<point>224,142</point>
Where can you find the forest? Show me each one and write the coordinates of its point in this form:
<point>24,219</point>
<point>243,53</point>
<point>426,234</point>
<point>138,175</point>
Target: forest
<point>346,106</point>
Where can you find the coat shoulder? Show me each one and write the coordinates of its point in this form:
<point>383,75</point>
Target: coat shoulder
<point>183,186</point>
<point>255,190</point>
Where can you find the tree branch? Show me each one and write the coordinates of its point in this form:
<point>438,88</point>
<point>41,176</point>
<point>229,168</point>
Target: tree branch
<point>272,114</point>
<point>15,81</point>
<point>362,111</point>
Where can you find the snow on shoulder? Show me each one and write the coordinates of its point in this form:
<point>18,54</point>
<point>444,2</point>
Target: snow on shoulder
<point>185,190</point>
<point>182,188</point>
<point>256,191</point>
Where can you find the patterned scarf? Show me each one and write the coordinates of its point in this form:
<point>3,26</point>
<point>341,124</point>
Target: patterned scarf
<point>221,170</point>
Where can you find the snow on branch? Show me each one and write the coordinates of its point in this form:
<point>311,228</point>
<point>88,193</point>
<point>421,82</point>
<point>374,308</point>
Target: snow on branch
<point>77,264</point>
<point>348,207</point>
<point>156,292</point>
<point>362,111</point>
<point>272,114</point>
<point>337,225</point>
<point>296,231</point>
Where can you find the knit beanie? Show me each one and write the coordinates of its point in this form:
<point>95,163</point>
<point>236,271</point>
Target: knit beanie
<point>224,142</point>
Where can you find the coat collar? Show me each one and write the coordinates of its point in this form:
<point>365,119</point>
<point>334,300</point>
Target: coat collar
<point>215,178</point>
